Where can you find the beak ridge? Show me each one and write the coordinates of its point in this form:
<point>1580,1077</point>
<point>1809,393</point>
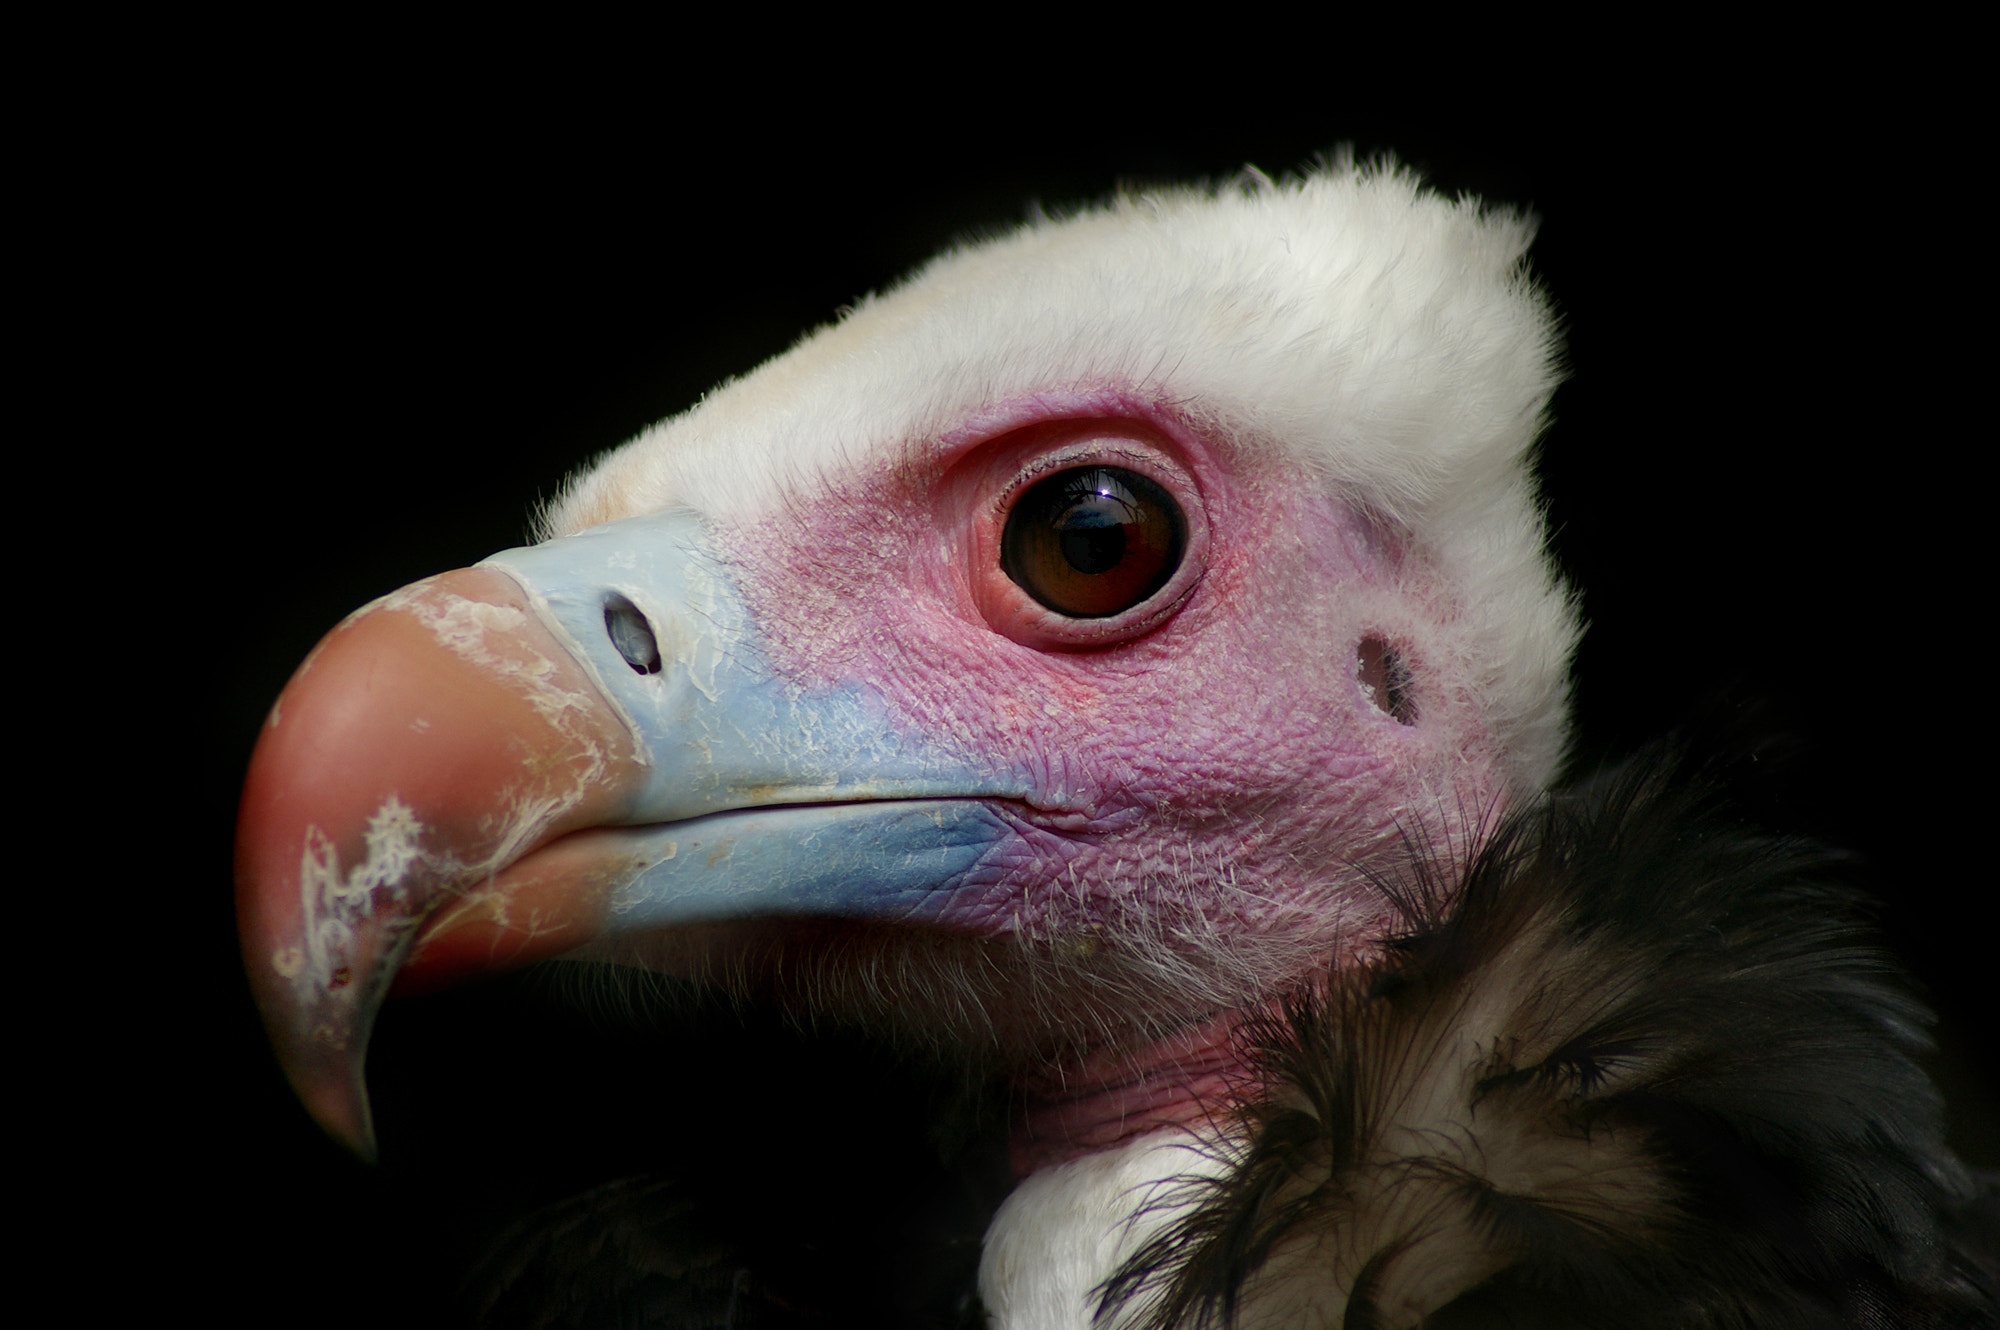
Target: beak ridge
<point>498,765</point>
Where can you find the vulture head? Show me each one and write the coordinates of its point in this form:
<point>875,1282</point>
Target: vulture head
<point>1047,666</point>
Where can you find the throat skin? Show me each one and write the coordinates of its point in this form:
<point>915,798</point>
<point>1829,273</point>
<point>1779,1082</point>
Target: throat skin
<point>1187,1081</point>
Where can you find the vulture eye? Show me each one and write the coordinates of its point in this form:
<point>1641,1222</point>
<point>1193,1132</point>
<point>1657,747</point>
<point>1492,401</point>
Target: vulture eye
<point>1094,541</point>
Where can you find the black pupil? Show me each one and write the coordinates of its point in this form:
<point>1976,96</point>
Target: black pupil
<point>1094,541</point>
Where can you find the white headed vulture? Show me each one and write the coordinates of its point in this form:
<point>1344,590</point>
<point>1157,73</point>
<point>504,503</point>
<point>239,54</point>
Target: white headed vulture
<point>1123,661</point>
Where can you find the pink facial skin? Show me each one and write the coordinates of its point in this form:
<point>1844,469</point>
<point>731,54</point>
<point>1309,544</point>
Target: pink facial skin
<point>1209,764</point>
<point>1219,729</point>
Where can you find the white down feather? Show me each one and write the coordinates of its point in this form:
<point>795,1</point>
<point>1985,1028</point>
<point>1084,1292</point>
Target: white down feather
<point>1392,337</point>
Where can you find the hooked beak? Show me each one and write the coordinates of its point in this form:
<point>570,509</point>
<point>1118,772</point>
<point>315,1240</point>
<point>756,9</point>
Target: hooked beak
<point>570,741</point>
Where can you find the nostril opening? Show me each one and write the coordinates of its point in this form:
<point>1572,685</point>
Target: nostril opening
<point>1385,678</point>
<point>631,634</point>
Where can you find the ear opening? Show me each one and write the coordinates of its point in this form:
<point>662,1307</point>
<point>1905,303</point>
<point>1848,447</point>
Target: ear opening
<point>1385,677</point>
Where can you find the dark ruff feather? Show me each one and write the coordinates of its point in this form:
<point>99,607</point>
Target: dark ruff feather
<point>1640,1069</point>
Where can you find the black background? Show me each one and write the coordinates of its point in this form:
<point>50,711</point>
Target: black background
<point>360,330</point>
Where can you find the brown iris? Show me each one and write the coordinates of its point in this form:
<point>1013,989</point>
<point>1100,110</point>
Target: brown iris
<point>1093,542</point>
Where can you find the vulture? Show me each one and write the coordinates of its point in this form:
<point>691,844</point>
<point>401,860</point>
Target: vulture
<point>1123,664</point>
